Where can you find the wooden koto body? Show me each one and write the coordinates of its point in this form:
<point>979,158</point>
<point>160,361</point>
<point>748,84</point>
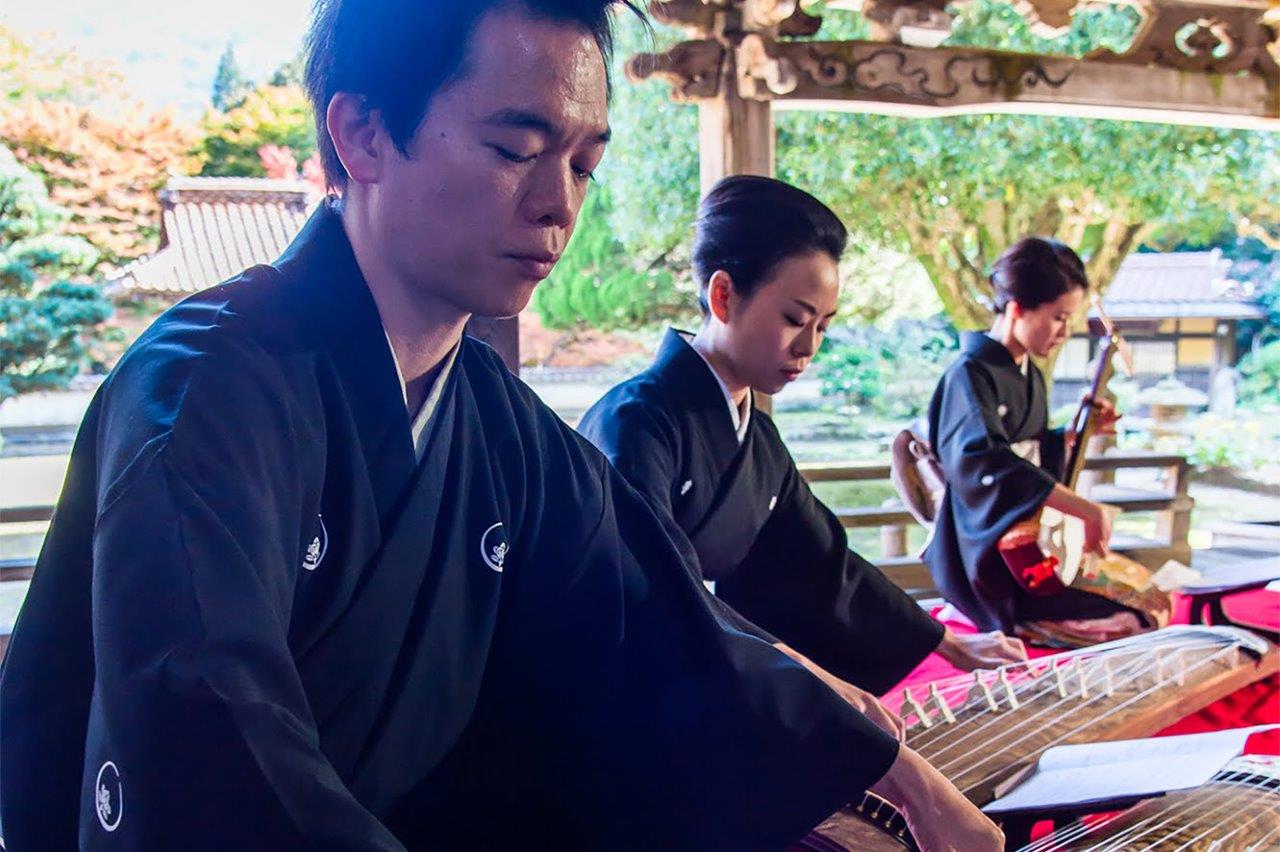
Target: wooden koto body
<point>980,730</point>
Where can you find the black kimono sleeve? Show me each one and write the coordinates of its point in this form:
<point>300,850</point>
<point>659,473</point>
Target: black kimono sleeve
<point>622,714</point>
<point>199,729</point>
<point>802,582</point>
<point>641,446</point>
<point>1053,452</point>
<point>991,486</point>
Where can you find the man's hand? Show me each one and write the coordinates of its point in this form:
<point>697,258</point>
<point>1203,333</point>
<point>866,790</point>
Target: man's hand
<point>980,650</point>
<point>864,702</point>
<point>940,817</point>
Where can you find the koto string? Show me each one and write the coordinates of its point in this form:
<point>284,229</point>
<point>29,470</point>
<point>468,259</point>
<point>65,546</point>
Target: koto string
<point>1109,712</point>
<point>991,719</point>
<point>951,733</point>
<point>995,719</point>
<point>1217,796</point>
<point>1226,794</point>
<point>1231,806</point>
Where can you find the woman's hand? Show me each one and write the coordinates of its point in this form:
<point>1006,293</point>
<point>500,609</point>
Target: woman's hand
<point>980,650</point>
<point>1106,414</point>
<point>1105,424</point>
<point>940,817</point>
<point>1097,529</point>
<point>1097,522</point>
<point>864,702</point>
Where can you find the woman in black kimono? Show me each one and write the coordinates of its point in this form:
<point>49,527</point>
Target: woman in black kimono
<point>989,426</point>
<point>684,433</point>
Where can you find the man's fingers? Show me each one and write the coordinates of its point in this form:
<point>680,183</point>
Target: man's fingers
<point>885,720</point>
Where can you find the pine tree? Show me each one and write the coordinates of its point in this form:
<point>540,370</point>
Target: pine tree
<point>229,83</point>
<point>47,320</point>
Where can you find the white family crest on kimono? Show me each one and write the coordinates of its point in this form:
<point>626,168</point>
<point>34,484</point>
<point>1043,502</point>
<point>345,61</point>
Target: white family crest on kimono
<point>109,797</point>
<point>493,548</point>
<point>317,548</point>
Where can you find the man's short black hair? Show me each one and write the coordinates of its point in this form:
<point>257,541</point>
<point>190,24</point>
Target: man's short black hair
<point>396,54</point>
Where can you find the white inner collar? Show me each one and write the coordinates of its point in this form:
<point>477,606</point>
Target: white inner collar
<point>1021,362</point>
<point>419,421</point>
<point>739,415</point>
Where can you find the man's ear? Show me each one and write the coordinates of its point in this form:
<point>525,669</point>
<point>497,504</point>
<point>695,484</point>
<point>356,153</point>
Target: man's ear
<point>358,137</point>
<point>720,295</point>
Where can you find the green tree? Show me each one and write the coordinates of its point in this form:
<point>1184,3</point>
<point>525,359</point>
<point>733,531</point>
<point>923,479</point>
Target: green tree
<point>102,156</point>
<point>289,73</point>
<point>38,67</point>
<point>1260,372</point>
<point>598,285</point>
<point>892,369</point>
<point>854,371</point>
<point>47,320</point>
<point>652,163</point>
<point>953,192</point>
<point>268,115</point>
<point>230,87</point>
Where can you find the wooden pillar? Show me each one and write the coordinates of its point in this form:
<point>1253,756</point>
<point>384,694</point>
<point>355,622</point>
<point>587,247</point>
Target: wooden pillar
<point>735,137</point>
<point>1174,525</point>
<point>502,334</point>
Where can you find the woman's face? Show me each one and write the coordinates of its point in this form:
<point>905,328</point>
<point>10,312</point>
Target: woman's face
<point>772,336</point>
<point>1043,329</point>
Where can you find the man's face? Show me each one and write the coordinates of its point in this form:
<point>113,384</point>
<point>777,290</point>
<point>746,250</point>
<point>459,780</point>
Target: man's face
<point>485,203</point>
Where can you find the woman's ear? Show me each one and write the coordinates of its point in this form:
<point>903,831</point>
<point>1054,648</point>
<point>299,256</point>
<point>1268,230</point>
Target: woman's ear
<point>356,132</point>
<point>720,295</point>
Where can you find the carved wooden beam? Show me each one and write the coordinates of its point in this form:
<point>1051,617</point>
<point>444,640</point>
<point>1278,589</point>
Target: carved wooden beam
<point>873,76</point>
<point>705,18</point>
<point>786,15</point>
<point>1047,18</point>
<point>693,68</point>
<point>1213,37</point>
<point>1271,20</point>
<point>890,18</point>
<point>694,16</point>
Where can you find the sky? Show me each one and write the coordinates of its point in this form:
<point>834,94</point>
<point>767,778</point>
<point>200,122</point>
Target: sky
<point>168,49</point>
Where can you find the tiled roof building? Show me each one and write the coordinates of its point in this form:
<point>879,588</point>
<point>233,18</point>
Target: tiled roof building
<point>1174,285</point>
<point>1179,312</point>
<point>213,228</point>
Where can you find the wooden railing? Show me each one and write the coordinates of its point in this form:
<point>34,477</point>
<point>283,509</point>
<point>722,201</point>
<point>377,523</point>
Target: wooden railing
<point>1172,506</point>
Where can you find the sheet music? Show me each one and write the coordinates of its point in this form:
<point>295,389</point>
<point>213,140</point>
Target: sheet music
<point>1174,576</point>
<point>1100,772</point>
<point>1247,573</point>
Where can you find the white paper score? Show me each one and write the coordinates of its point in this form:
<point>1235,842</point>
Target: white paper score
<point>1100,772</point>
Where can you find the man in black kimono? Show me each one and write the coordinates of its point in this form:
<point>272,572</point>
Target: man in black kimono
<point>778,557</point>
<point>325,575</point>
